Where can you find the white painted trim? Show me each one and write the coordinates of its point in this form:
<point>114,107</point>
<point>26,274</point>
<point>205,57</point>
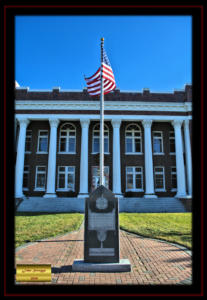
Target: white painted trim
<point>78,117</point>
<point>109,105</point>
<point>134,153</point>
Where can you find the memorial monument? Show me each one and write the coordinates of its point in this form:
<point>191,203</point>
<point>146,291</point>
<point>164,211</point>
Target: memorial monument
<point>101,235</point>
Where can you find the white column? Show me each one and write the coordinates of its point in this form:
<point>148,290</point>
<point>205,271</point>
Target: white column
<point>19,171</point>
<point>188,156</point>
<point>51,170</point>
<point>180,169</point>
<point>116,158</point>
<point>149,177</point>
<point>83,192</point>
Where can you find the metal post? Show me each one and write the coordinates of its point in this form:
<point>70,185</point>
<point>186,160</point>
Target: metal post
<point>102,122</point>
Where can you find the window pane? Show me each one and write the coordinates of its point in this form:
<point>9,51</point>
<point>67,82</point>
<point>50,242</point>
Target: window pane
<point>94,171</point>
<point>128,133</point>
<point>159,181</point>
<point>96,145</point>
<point>137,145</point>
<point>128,145</point>
<point>72,133</point>
<point>129,181</point>
<point>173,181</point>
<point>106,145</point>
<point>63,133</point>
<point>129,170</point>
<point>71,145</point>
<point>43,144</point>
<point>63,144</point>
<point>71,169</point>
<point>138,169</point>
<point>70,181</point>
<point>137,133</point>
<point>61,169</point>
<point>41,180</point>
<point>61,181</point>
<point>157,145</point>
<point>138,181</point>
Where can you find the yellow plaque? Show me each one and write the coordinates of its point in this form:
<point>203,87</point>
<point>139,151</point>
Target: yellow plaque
<point>33,273</point>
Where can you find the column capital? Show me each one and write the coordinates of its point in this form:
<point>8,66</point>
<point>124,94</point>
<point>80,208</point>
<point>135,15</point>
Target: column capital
<point>23,121</point>
<point>147,123</point>
<point>54,122</point>
<point>85,123</point>
<point>116,123</point>
<point>177,123</point>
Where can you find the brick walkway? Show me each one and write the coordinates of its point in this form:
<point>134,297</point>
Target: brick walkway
<point>152,261</point>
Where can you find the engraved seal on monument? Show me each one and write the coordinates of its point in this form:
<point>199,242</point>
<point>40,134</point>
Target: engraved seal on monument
<point>101,203</point>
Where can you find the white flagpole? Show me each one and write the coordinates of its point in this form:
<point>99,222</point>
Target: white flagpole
<point>102,122</point>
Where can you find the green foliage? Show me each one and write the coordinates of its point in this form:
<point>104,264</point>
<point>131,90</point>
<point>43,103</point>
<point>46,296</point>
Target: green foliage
<point>172,227</point>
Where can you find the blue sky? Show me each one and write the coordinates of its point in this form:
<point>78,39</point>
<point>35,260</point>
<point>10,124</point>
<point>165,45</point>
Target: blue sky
<point>152,52</point>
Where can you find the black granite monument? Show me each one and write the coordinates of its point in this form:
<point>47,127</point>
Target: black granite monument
<point>101,235</point>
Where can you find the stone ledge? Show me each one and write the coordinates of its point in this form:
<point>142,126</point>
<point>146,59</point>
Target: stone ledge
<point>80,266</point>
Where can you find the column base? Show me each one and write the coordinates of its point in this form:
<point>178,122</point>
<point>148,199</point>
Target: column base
<point>118,195</point>
<point>48,195</point>
<point>150,196</point>
<point>181,196</point>
<point>82,195</point>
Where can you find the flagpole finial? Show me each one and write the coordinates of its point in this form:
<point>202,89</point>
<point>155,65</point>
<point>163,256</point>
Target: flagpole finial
<point>102,39</point>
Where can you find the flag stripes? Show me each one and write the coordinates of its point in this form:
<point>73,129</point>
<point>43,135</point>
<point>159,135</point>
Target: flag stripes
<point>94,82</point>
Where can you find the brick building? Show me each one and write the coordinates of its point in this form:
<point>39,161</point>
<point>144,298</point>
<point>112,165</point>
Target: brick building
<point>147,145</point>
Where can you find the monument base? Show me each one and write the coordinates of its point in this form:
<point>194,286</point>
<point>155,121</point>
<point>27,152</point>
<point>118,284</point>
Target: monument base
<point>80,265</point>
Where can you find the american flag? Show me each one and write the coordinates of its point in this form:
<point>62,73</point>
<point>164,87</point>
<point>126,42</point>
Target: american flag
<point>94,82</point>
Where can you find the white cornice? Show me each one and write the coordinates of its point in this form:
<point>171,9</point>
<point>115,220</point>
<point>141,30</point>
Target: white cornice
<point>109,105</point>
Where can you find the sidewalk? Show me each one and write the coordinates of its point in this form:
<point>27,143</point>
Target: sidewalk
<point>152,261</point>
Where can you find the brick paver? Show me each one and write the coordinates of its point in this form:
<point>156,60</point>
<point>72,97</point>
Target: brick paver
<point>152,261</point>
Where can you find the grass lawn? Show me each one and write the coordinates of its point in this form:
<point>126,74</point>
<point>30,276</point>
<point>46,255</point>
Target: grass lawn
<point>172,227</point>
<point>30,227</point>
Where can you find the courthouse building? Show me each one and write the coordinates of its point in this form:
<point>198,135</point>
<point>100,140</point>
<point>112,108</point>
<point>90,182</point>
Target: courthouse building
<point>147,146</point>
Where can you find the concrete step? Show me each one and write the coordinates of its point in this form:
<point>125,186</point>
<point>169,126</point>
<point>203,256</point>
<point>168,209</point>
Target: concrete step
<point>40,204</point>
<point>151,205</point>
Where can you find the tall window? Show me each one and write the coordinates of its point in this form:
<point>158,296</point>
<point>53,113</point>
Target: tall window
<point>42,146</point>
<point>159,177</point>
<point>96,177</point>
<point>26,178</point>
<point>157,142</point>
<point>28,143</point>
<point>67,142</point>
<point>134,179</point>
<point>40,180</point>
<point>66,178</point>
<point>172,142</point>
<point>96,136</point>
<point>133,139</point>
<point>173,179</point>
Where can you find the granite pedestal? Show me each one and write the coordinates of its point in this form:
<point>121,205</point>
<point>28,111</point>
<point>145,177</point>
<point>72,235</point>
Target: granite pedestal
<point>101,235</point>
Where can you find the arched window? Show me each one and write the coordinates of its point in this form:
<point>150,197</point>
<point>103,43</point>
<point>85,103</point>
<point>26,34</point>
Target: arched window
<point>133,139</point>
<point>67,139</point>
<point>95,140</point>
